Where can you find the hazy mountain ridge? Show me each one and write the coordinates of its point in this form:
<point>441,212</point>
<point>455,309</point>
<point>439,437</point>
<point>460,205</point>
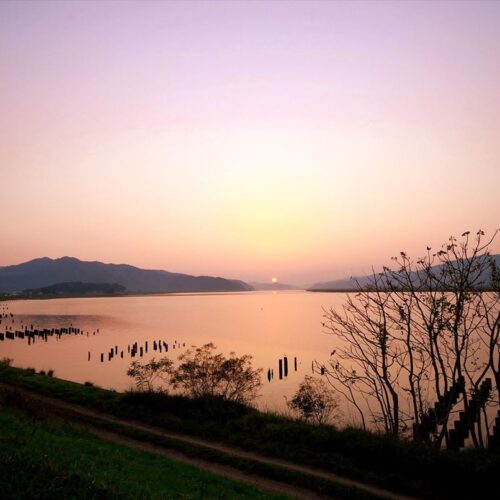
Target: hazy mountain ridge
<point>44,272</point>
<point>272,286</point>
<point>355,283</point>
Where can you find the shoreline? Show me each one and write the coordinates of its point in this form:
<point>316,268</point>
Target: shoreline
<point>5,298</point>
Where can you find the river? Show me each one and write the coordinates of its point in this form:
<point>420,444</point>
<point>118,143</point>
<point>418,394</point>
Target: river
<point>267,325</point>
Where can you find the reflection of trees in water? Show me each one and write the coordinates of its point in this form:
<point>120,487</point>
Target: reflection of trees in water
<point>46,319</point>
<point>85,322</point>
<point>420,346</point>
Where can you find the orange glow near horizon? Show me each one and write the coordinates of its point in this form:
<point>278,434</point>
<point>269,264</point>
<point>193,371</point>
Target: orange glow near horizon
<point>307,140</point>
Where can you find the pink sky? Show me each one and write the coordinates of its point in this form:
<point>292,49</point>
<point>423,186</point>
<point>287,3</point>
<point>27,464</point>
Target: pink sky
<point>301,140</point>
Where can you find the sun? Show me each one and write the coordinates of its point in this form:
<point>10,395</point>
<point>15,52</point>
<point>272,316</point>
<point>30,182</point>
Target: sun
<point>274,280</point>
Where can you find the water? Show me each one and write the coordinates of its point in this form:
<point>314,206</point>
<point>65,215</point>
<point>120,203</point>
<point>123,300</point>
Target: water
<point>267,325</point>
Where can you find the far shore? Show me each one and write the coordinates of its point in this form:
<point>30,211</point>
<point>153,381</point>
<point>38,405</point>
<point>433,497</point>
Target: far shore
<point>9,297</point>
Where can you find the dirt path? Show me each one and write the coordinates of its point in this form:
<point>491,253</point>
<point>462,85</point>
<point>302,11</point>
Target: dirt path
<point>230,472</point>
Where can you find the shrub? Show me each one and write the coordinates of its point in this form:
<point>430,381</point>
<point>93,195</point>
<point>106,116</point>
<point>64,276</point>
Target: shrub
<point>204,373</point>
<point>146,375</point>
<point>315,401</point>
<point>6,361</point>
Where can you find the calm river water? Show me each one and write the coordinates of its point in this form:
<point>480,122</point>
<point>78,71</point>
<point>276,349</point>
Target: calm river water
<point>267,325</point>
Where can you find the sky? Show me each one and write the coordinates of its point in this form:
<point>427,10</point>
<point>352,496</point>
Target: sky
<point>300,140</point>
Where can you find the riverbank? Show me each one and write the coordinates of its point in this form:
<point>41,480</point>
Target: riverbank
<point>42,457</point>
<point>397,465</point>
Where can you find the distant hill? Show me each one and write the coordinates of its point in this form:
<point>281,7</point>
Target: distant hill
<point>363,281</point>
<point>45,272</point>
<point>342,284</point>
<point>272,286</point>
<point>77,288</point>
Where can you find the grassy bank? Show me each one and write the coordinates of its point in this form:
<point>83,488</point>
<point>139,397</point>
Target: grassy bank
<point>409,467</point>
<point>46,459</point>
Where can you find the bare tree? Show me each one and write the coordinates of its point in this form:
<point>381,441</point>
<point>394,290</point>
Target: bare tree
<point>364,359</point>
<point>420,331</point>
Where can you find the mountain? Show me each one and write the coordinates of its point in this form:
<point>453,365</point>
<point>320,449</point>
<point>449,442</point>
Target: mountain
<point>342,284</point>
<point>272,286</point>
<point>44,272</point>
<point>347,284</point>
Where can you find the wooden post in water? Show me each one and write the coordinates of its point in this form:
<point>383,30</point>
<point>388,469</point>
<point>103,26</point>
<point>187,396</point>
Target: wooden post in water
<point>295,363</point>
<point>285,362</point>
<point>280,368</point>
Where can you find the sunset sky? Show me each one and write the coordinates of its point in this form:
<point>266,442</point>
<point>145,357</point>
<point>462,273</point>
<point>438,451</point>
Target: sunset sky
<point>301,140</point>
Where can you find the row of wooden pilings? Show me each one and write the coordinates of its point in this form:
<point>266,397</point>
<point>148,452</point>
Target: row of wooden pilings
<point>468,418</point>
<point>461,430</point>
<point>282,368</point>
<point>439,413</point>
<point>494,439</point>
<point>31,334</point>
<point>135,349</point>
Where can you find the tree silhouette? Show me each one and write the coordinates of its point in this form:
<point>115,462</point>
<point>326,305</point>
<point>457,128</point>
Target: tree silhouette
<point>423,331</point>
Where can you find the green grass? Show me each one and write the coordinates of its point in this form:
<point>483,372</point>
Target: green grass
<point>402,465</point>
<point>44,459</point>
